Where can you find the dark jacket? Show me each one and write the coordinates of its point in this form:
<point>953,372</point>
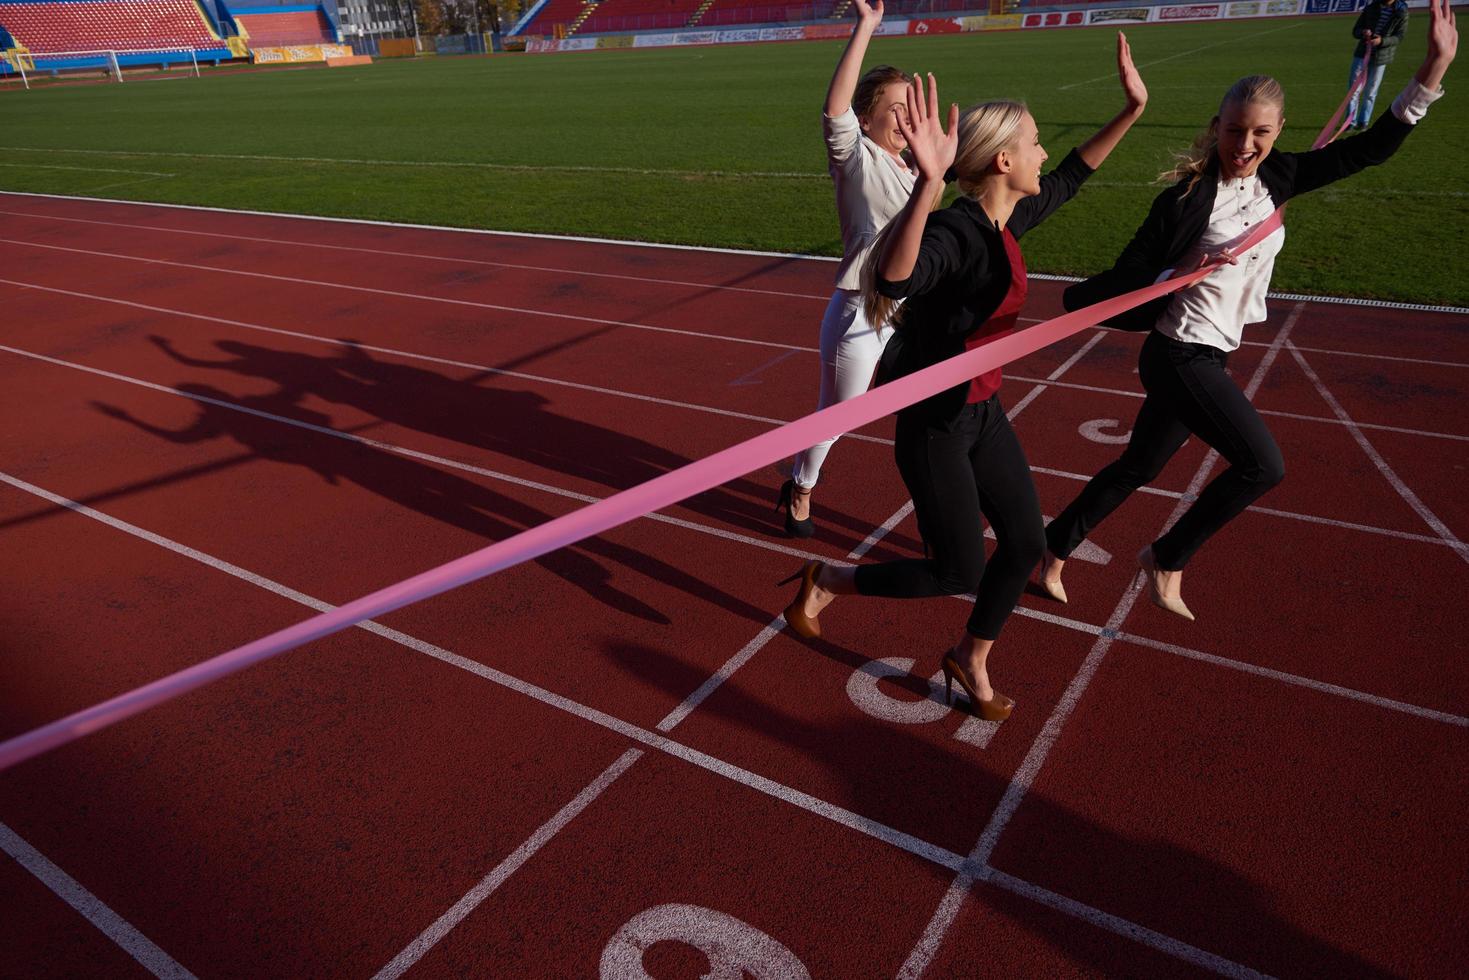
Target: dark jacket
<point>1179,216</point>
<point>959,279</point>
<point>1397,24</point>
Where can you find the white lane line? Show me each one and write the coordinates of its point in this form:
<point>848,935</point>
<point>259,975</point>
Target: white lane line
<point>1298,681</point>
<point>661,518</point>
<point>542,236</point>
<point>1182,54</point>
<point>628,243</point>
<point>443,461</point>
<point>902,512</point>
<point>724,673</point>
<point>99,170</point>
<point>1126,393</point>
<point>811,804</point>
<point>881,531</point>
<point>652,399</point>
<point>93,909</point>
<point>444,164</point>
<point>1025,775</point>
<point>426,358</point>
<point>1420,508</point>
<point>1371,357</point>
<point>398,294</point>
<point>472,899</point>
<point>1122,927</point>
<point>457,260</point>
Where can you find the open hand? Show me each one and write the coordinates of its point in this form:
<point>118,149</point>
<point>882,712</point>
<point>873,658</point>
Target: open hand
<point>1132,82</point>
<point>868,14</point>
<point>933,149</point>
<point>1443,32</point>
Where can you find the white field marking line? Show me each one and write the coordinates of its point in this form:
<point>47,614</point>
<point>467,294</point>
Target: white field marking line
<point>1025,775</point>
<point>1373,357</point>
<point>445,923</point>
<point>1125,393</point>
<point>658,517</point>
<point>428,358</point>
<point>1273,512</point>
<point>629,243</point>
<point>829,811</point>
<point>432,164</point>
<point>472,899</point>
<point>714,250</point>
<point>113,926</point>
<point>99,170</point>
<point>1298,681</point>
<point>727,535</point>
<point>415,255</point>
<point>902,512</point>
<point>397,450</point>
<point>1175,57</point>
<point>1122,927</point>
<point>397,294</point>
<point>1402,488</point>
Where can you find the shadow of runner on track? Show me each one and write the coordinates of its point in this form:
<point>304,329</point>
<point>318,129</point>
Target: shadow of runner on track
<point>409,484</point>
<point>515,424</point>
<point>1167,875</point>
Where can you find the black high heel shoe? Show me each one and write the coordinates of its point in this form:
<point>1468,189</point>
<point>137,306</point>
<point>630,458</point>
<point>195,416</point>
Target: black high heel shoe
<point>794,528</point>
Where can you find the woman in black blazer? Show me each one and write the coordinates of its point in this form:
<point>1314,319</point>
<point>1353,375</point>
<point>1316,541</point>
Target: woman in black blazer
<point>1228,183</point>
<point>962,277</point>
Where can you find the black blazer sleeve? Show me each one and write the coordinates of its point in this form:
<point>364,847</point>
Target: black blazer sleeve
<point>1057,187</point>
<point>940,255</point>
<point>1316,168</point>
<point>1139,264</point>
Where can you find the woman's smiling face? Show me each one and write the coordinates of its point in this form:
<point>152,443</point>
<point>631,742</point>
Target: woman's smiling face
<point>1246,131</point>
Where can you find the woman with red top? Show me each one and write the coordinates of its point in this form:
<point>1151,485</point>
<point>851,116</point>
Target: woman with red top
<point>962,279</point>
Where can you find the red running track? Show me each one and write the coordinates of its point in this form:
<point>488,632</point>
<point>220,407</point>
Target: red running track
<point>614,756</point>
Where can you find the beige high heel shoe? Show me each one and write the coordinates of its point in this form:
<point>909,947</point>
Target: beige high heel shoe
<point>1173,604</point>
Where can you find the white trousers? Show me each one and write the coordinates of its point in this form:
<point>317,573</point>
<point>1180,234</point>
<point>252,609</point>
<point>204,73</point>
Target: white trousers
<point>850,348</point>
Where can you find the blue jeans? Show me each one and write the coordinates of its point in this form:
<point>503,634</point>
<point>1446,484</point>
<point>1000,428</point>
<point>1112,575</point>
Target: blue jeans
<point>1368,95</point>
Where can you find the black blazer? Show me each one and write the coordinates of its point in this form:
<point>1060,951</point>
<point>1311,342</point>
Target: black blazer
<point>1179,216</point>
<point>960,279</point>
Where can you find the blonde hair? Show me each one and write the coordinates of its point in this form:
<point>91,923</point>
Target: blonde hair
<point>1250,90</point>
<point>984,131</point>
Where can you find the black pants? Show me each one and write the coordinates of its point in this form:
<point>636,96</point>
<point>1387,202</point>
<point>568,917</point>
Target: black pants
<point>957,470</point>
<point>1188,392</point>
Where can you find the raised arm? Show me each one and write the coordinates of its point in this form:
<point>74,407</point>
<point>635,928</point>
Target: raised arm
<point>849,68</point>
<point>1443,44</point>
<point>1096,149</point>
<point>933,152</point>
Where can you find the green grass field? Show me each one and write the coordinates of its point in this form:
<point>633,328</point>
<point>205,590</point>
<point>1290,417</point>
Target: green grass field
<point>721,145</point>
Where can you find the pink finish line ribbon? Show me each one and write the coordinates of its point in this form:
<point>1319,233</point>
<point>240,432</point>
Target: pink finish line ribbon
<point>627,505</point>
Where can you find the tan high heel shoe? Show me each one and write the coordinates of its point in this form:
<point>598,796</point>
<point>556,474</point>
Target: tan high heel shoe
<point>1173,604</point>
<point>997,708</point>
<point>1054,589</point>
<point>795,614</point>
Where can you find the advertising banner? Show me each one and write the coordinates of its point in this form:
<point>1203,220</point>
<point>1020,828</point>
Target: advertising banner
<point>935,25</point>
<point>1196,11</point>
<point>826,32</point>
<point>614,41</point>
<point>1119,15</point>
<point>299,53</point>
<point>742,36</point>
<point>783,33</point>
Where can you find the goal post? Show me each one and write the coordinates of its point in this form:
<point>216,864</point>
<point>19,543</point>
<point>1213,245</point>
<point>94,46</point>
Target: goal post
<point>111,60</point>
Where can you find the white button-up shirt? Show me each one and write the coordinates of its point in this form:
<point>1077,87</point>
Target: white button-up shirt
<point>1215,310</point>
<point>872,186</point>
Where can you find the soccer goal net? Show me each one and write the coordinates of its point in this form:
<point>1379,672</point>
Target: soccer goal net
<point>29,64</point>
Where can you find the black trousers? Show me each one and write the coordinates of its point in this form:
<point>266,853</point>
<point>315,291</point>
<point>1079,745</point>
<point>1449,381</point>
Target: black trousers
<point>1188,392</point>
<point>957,470</point>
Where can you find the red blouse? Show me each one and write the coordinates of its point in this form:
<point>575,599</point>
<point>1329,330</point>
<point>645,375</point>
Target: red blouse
<point>1001,323</point>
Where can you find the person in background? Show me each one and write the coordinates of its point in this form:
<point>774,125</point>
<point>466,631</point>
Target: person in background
<point>1378,30</point>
